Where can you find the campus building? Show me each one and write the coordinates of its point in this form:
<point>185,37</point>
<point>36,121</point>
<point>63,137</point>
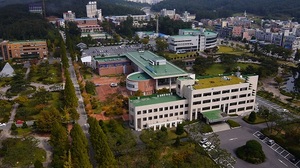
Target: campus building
<point>92,11</point>
<point>212,98</point>
<point>23,49</point>
<point>192,40</point>
<point>146,71</point>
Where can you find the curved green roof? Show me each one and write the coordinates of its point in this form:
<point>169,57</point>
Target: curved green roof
<point>139,77</point>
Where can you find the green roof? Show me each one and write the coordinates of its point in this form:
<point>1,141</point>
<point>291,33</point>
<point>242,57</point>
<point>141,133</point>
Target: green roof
<point>216,81</point>
<point>26,41</point>
<point>141,59</point>
<point>154,99</point>
<point>213,115</point>
<point>139,76</point>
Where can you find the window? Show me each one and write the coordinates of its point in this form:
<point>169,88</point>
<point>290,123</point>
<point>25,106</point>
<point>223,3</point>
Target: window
<point>215,107</point>
<point>145,119</point>
<point>171,107</point>
<point>181,106</point>
<point>181,113</point>
<point>233,97</point>
<point>149,118</point>
<point>242,102</point>
<point>155,117</point>
<point>178,86</point>
<point>242,89</point>
<point>205,108</point>
<point>186,105</point>
<point>160,116</point>
<point>252,100</point>
<point>234,90</point>
<point>243,95</point>
<point>166,115</point>
<point>139,112</point>
<point>155,110</point>
<point>206,101</point>
<point>233,104</point>
<point>249,108</point>
<point>186,112</point>
<point>150,111</point>
<point>207,94</point>
<point>161,109</point>
<point>171,114</point>
<point>197,95</point>
<point>176,107</point>
<point>176,114</point>
<point>225,91</point>
<point>232,110</point>
<point>225,98</point>
<point>216,100</point>
<point>144,111</point>
<point>217,93</point>
<point>166,108</point>
<point>197,102</point>
<point>241,109</point>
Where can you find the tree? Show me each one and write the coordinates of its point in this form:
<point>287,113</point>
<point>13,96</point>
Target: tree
<point>59,143</point>
<point>46,119</point>
<point>252,117</point>
<point>161,44</point>
<point>179,129</point>
<point>278,80</point>
<point>251,152</point>
<point>103,154</point>
<point>13,127</point>
<point>74,115</point>
<point>177,142</point>
<point>71,100</point>
<point>24,125</point>
<point>38,164</point>
<point>79,148</point>
<point>201,64</point>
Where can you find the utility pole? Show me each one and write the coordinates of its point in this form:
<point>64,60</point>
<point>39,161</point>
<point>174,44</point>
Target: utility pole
<point>157,17</point>
<point>44,9</point>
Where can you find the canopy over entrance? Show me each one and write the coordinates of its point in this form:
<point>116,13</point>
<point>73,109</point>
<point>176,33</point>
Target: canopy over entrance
<point>214,116</point>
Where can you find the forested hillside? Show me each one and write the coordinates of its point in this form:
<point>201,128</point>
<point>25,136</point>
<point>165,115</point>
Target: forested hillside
<point>224,8</point>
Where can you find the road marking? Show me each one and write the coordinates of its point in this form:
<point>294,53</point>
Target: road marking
<point>297,162</point>
<point>233,139</point>
<point>282,162</point>
<point>287,155</point>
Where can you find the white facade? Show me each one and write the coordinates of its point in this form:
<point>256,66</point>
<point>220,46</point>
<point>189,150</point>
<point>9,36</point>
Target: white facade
<point>189,103</point>
<point>69,16</point>
<point>92,11</point>
<point>146,1</point>
<point>169,13</point>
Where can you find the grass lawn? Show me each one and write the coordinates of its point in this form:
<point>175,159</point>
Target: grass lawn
<point>174,56</point>
<point>230,50</point>
<point>216,69</point>
<point>172,135</point>
<point>258,120</point>
<point>24,131</point>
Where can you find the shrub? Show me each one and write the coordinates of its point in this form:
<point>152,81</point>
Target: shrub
<point>13,127</point>
<point>251,152</point>
<point>206,128</point>
<point>179,129</point>
<point>233,124</point>
<point>252,117</point>
<point>24,125</point>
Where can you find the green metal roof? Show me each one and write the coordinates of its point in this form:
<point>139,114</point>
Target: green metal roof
<point>27,41</point>
<point>154,99</point>
<point>141,59</point>
<point>110,59</point>
<point>213,115</point>
<point>139,77</point>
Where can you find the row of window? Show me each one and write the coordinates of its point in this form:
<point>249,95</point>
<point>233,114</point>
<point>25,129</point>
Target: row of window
<point>162,109</point>
<point>219,92</point>
<point>164,116</point>
<point>240,109</point>
<point>223,98</point>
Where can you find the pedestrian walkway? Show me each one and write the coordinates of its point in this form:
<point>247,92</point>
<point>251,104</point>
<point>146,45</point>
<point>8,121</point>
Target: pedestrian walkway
<point>220,127</point>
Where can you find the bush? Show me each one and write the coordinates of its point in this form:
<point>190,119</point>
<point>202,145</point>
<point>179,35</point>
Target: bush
<point>205,128</point>
<point>251,152</point>
<point>179,129</point>
<point>13,127</point>
<point>24,125</point>
<point>252,117</point>
<point>233,124</point>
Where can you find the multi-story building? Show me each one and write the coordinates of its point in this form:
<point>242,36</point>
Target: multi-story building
<point>69,16</point>
<point>23,49</point>
<point>168,13</point>
<point>187,17</point>
<point>211,97</point>
<point>92,11</point>
<point>192,40</point>
<point>146,1</point>
<point>36,8</point>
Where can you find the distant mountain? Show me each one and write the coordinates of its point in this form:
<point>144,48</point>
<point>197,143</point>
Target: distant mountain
<point>224,8</point>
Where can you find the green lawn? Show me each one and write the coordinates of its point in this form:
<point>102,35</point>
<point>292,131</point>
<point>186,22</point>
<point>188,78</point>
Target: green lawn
<point>216,69</point>
<point>24,131</point>
<point>174,56</point>
<point>231,50</point>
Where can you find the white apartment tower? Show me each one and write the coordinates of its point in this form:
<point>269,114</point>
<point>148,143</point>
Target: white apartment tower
<point>92,11</point>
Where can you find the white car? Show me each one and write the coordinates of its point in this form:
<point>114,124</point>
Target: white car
<point>204,140</point>
<point>204,146</point>
<point>2,124</point>
<point>208,143</point>
<point>113,84</point>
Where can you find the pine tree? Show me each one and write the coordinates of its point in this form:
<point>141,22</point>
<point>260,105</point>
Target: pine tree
<point>103,154</point>
<point>71,100</point>
<point>79,148</point>
<point>59,143</point>
<point>68,163</point>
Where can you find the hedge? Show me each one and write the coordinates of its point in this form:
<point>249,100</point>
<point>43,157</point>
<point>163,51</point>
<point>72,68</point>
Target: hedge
<point>233,124</point>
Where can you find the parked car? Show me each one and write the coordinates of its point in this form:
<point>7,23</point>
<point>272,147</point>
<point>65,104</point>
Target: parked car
<point>113,84</point>
<point>203,140</point>
<point>19,122</point>
<point>270,142</point>
<point>2,124</point>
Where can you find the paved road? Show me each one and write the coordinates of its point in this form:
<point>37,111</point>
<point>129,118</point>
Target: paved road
<point>232,139</point>
<point>6,129</point>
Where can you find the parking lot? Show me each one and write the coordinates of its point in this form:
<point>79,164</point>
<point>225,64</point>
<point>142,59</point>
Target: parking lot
<point>278,149</point>
<point>110,50</point>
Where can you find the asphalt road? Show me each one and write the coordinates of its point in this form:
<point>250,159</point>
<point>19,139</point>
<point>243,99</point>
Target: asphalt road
<point>232,139</point>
